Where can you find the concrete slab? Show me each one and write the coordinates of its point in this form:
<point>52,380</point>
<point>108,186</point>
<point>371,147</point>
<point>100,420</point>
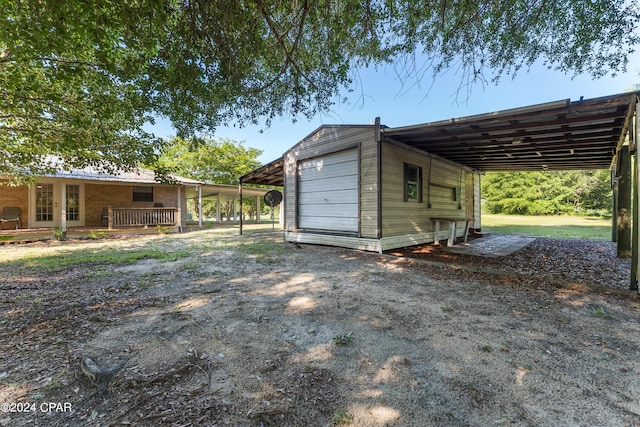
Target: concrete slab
<point>492,246</point>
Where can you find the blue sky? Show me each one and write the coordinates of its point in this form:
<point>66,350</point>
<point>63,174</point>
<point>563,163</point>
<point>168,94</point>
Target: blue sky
<point>379,93</point>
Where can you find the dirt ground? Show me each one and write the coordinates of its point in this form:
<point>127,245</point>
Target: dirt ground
<point>215,329</point>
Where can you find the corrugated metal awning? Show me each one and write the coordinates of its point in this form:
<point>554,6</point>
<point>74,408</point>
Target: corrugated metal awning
<point>270,174</point>
<point>559,135</point>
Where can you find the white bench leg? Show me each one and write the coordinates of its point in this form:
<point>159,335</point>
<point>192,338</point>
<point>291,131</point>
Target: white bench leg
<point>452,234</point>
<point>466,231</point>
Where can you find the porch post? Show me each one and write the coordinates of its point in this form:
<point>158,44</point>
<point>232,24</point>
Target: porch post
<point>257,209</point>
<point>179,218</point>
<point>235,209</point>
<point>63,204</point>
<point>218,216</point>
<point>200,206</point>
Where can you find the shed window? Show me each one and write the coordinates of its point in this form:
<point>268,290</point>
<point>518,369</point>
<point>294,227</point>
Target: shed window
<point>143,194</point>
<point>412,183</point>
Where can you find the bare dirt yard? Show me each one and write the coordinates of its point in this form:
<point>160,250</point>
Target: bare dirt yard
<point>212,329</point>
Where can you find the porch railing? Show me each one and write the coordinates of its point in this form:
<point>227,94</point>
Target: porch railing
<point>130,217</point>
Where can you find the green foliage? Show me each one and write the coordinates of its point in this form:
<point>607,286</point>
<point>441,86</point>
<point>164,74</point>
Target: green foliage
<point>59,234</point>
<point>546,193</point>
<point>80,79</point>
<point>220,161</point>
<point>342,418</point>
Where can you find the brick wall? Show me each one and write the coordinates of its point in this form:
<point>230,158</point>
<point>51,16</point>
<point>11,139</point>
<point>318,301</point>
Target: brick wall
<point>15,197</point>
<point>100,196</point>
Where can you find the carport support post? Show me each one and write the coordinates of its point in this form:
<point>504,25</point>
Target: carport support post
<point>623,212</point>
<point>635,253</point>
<point>614,205</point>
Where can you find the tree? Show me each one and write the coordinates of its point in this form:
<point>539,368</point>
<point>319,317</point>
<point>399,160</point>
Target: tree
<point>547,193</point>
<point>219,161</point>
<point>80,79</point>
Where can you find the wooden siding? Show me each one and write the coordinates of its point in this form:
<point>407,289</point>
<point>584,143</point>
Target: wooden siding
<point>359,243</point>
<point>327,140</point>
<point>440,179</point>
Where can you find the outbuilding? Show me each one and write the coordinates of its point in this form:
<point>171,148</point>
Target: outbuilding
<point>376,188</point>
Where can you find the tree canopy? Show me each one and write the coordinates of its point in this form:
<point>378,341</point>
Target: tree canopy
<point>216,160</point>
<point>547,193</point>
<point>80,79</point>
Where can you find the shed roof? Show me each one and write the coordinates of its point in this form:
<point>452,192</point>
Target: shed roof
<point>583,134</point>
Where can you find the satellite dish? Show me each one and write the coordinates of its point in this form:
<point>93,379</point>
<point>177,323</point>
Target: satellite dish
<point>273,198</point>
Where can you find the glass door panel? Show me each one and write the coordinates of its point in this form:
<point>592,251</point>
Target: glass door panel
<point>73,202</point>
<point>44,202</point>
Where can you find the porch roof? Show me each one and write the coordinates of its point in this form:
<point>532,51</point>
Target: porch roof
<point>136,176</point>
<point>211,191</point>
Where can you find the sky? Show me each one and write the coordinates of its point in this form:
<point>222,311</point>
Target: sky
<point>379,93</point>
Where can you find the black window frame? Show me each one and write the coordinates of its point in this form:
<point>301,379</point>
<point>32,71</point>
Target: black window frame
<point>143,196</point>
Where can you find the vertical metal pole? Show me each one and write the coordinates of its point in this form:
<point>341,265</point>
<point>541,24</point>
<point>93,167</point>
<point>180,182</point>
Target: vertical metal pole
<point>378,138</point>
<point>635,253</point>
<point>624,212</point>
<point>614,205</point>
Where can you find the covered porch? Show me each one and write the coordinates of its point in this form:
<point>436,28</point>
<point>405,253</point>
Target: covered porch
<point>31,235</point>
<point>227,200</point>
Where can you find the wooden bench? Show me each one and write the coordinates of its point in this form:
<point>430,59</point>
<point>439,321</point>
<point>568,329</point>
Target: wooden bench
<point>452,228</point>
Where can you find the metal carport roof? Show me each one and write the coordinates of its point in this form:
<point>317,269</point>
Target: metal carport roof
<point>583,134</point>
<point>560,135</point>
<point>270,174</point>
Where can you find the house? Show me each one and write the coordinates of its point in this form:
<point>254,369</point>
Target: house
<point>91,198</point>
<point>375,188</point>
<point>95,199</point>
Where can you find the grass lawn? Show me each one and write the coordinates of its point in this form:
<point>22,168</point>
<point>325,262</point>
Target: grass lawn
<point>559,227</point>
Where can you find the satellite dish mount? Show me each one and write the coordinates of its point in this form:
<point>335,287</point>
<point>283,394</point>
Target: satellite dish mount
<point>273,199</point>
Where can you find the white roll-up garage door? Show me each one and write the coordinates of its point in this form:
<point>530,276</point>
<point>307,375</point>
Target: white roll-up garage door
<point>328,192</point>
